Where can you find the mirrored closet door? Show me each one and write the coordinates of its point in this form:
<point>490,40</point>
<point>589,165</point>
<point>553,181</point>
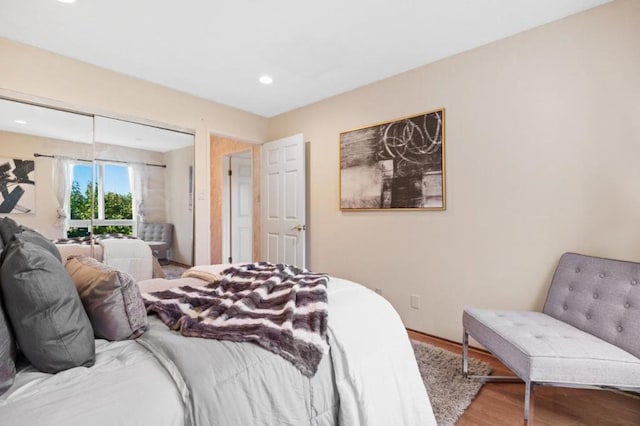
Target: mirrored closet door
<point>39,149</point>
<point>69,174</point>
<point>144,185</point>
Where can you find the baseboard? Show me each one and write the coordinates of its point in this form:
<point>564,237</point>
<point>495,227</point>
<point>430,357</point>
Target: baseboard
<point>452,342</point>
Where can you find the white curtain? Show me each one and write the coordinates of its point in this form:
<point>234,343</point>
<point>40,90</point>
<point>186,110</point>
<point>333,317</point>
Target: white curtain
<point>138,180</point>
<point>62,171</point>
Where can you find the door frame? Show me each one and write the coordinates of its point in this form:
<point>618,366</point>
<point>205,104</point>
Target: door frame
<point>219,147</point>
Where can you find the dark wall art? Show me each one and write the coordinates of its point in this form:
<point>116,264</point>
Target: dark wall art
<point>394,165</point>
<point>17,186</point>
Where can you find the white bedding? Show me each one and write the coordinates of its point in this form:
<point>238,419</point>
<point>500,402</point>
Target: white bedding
<point>375,372</point>
<point>68,250</point>
<point>130,255</point>
<point>126,386</point>
<point>139,267</point>
<point>375,369</point>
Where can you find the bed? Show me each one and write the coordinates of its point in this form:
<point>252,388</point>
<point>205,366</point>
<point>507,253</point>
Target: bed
<point>368,377</point>
<point>124,252</point>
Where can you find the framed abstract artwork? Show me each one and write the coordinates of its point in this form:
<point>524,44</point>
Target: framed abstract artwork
<point>398,164</point>
<point>17,186</point>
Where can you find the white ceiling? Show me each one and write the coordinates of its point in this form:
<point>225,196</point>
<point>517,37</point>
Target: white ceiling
<point>139,136</point>
<point>35,120</point>
<point>217,49</point>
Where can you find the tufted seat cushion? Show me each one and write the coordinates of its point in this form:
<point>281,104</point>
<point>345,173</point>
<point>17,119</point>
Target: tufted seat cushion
<point>540,348</point>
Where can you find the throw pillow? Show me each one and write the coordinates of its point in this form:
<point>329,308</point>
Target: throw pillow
<point>10,230</point>
<point>7,353</point>
<point>46,314</point>
<point>8,227</point>
<point>111,298</point>
<point>32,236</point>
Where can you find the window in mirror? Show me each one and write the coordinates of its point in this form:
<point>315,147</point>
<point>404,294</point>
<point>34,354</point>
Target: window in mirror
<point>80,200</point>
<point>160,163</point>
<point>113,204</point>
<point>114,212</point>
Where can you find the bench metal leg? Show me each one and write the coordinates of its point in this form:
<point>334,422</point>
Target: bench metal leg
<point>529,386</point>
<point>465,353</point>
<point>528,403</point>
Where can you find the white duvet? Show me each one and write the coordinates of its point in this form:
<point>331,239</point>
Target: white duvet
<point>130,255</point>
<point>375,368</point>
<point>375,372</point>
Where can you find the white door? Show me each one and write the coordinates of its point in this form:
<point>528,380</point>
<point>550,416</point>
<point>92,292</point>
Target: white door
<point>237,208</point>
<point>241,209</point>
<point>283,201</point>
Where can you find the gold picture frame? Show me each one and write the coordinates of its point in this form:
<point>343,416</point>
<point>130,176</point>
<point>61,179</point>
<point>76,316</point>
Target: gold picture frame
<point>394,165</point>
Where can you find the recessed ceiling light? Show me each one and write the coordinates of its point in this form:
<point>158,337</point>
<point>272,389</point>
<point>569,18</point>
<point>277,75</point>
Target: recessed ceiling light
<point>265,79</point>
<point>20,122</point>
<point>67,1</point>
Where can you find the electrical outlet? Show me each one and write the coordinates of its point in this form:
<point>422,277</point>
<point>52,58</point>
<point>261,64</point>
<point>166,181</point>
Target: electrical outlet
<point>379,291</point>
<point>415,301</point>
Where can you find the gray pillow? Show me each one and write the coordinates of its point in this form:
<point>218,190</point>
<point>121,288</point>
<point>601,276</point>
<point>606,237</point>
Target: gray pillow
<point>8,227</point>
<point>10,230</point>
<point>111,298</point>
<point>35,237</point>
<point>7,353</point>
<point>46,314</point>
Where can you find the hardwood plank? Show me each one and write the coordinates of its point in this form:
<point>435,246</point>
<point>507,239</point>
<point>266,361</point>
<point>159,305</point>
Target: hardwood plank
<point>503,403</point>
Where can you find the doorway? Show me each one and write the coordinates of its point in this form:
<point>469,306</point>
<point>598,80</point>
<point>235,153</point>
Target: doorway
<point>237,208</point>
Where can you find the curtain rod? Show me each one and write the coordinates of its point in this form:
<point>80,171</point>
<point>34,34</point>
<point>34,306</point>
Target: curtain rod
<point>164,166</point>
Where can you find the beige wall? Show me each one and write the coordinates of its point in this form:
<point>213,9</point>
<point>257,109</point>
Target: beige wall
<point>179,212</point>
<point>16,145</point>
<point>34,72</point>
<point>542,150</point>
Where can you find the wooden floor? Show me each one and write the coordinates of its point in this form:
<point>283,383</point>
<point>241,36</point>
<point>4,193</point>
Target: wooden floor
<point>502,403</point>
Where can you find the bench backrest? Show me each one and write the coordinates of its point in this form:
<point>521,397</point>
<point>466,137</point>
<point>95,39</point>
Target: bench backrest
<point>156,232</point>
<point>598,296</point>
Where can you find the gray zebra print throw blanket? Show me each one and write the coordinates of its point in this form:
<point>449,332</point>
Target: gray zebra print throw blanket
<point>279,307</point>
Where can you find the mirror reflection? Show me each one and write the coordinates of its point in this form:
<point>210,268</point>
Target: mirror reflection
<point>40,201</point>
<point>125,180</point>
<point>143,181</point>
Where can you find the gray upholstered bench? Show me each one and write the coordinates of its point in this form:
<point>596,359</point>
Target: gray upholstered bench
<point>159,237</point>
<point>588,334</point>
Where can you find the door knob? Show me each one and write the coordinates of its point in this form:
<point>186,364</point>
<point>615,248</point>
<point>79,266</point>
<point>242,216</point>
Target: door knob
<point>299,228</point>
